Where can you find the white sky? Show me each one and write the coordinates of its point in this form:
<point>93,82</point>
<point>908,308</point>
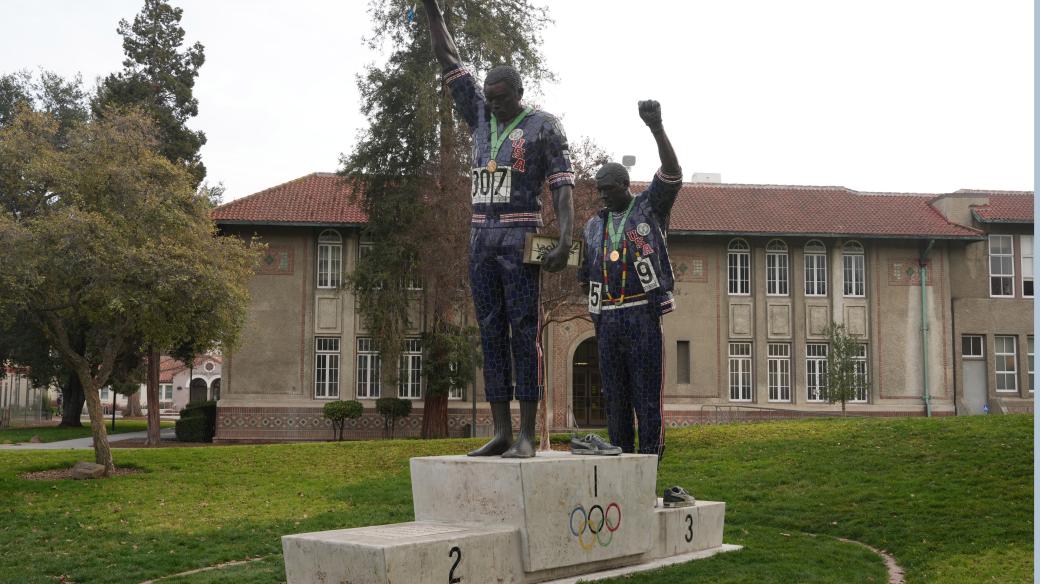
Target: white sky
<point>879,95</point>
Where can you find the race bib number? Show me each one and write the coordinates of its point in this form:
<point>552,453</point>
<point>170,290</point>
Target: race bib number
<point>595,296</point>
<point>491,187</point>
<point>647,277</point>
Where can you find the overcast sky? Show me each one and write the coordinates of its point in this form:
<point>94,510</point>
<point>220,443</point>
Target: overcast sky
<point>908,96</point>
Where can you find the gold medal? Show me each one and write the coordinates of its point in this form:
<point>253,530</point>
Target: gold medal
<point>491,166</point>
<point>614,255</point>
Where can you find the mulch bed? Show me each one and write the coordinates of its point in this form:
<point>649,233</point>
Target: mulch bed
<point>63,474</point>
<point>140,443</point>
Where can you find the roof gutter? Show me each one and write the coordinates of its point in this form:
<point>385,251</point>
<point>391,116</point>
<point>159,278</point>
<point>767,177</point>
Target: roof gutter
<point>979,237</point>
<point>284,224</point>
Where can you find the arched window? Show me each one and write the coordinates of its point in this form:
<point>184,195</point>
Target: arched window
<point>330,259</point>
<point>852,266</point>
<point>815,268</point>
<point>739,261</point>
<point>777,268</point>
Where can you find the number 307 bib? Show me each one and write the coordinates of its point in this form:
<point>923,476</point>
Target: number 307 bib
<point>491,187</point>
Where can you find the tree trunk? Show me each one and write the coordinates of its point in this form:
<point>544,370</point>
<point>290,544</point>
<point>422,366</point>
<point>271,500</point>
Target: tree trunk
<point>133,405</point>
<point>435,416</point>
<point>102,451</point>
<point>72,398</point>
<point>153,398</point>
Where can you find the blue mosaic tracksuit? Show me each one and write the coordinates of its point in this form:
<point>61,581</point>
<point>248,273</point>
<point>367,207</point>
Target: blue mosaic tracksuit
<point>628,322</point>
<point>505,209</point>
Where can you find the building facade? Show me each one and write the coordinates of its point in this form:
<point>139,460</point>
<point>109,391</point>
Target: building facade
<point>922,280</point>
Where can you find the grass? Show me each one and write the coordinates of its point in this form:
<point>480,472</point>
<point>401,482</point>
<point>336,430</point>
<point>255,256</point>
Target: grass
<point>55,434</point>
<point>950,498</point>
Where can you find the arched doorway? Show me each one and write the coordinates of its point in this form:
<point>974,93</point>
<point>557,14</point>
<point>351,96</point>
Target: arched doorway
<point>197,390</point>
<point>214,390</point>
<point>587,395</point>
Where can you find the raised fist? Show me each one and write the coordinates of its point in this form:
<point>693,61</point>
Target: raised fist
<point>650,111</point>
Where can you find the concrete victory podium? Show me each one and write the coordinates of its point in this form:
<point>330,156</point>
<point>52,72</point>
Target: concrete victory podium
<point>550,518</point>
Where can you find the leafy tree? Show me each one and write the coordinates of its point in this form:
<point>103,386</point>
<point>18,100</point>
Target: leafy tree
<point>159,76</point>
<point>392,409</point>
<point>24,195</point>
<point>130,241</point>
<point>844,381</point>
<point>409,168</point>
<point>339,412</point>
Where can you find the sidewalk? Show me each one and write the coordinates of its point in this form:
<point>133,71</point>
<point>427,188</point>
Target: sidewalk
<point>85,443</point>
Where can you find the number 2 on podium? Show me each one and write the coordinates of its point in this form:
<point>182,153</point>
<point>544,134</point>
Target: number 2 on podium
<point>457,553</point>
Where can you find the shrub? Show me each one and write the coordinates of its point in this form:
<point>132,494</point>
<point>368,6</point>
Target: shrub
<point>392,409</point>
<point>193,429</point>
<point>339,412</point>
<point>207,412</point>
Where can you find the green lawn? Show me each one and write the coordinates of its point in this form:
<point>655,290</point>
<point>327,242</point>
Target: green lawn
<point>54,433</point>
<point>950,498</point>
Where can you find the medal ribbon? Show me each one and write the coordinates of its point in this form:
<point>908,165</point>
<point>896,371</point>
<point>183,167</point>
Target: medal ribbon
<point>615,243</point>
<point>496,142</point>
<point>615,235</point>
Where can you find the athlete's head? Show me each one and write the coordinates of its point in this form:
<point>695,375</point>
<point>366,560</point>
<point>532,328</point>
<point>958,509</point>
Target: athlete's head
<point>612,184</point>
<point>503,90</point>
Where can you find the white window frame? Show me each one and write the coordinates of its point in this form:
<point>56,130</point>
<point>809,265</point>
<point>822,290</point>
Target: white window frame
<point>410,370</point>
<point>816,372</point>
<point>738,264</point>
<point>1025,243</point>
<point>454,391</point>
<point>973,341</point>
<point>815,262</point>
<point>859,364</point>
<point>1030,359</point>
<point>1004,259</point>
<point>166,392</point>
<point>853,264</point>
<point>326,367</point>
<point>740,374</point>
<point>779,368</point>
<point>778,269</point>
<point>368,372</point>
<point>330,259</point>
<point>1002,355</point>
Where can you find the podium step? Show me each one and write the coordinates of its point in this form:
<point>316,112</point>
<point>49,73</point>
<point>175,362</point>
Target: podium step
<point>418,552</point>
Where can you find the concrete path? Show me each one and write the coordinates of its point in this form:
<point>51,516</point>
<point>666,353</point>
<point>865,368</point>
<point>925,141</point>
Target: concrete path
<point>85,443</point>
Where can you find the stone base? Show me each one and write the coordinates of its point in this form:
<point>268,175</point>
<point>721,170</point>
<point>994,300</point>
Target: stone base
<point>648,565</point>
<point>517,521</point>
<point>419,552</point>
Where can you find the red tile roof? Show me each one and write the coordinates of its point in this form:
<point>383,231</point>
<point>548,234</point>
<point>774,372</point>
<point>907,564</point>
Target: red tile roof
<point>1004,207</point>
<point>325,199</point>
<point>170,367</point>
<point>807,210</point>
<point>320,198</point>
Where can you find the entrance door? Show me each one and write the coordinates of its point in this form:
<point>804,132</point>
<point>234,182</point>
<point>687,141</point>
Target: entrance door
<point>198,390</point>
<point>974,387</point>
<point>973,367</point>
<point>587,391</point>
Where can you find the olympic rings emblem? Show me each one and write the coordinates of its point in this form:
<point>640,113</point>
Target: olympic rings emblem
<point>608,521</point>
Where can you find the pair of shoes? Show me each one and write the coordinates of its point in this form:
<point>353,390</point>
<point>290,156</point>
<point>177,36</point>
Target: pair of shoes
<point>678,497</point>
<point>593,444</point>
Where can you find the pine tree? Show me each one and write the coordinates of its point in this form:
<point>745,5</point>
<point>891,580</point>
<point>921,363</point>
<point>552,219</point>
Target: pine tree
<point>159,76</point>
<point>409,170</point>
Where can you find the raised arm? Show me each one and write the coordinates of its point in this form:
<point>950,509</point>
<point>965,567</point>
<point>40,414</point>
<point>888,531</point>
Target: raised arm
<point>650,111</point>
<point>443,45</point>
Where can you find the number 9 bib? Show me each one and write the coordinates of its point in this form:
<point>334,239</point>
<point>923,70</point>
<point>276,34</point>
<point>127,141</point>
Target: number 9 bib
<point>647,276</point>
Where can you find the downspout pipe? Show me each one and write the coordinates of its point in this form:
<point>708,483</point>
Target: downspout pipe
<point>923,263</point>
